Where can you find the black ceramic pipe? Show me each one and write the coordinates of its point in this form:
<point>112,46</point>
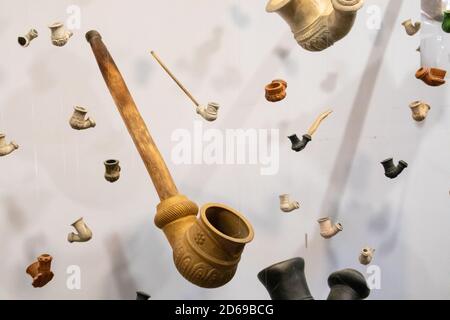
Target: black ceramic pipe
<point>297,144</point>
<point>347,284</point>
<point>142,296</point>
<point>391,170</point>
<point>286,280</point>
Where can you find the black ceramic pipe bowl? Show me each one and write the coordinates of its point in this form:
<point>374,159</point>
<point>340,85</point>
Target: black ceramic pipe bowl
<point>347,284</point>
<point>286,280</point>
<point>297,144</point>
<point>142,296</point>
<point>391,170</point>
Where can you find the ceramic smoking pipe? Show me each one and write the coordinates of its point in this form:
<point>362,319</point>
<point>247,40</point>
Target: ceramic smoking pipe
<point>297,144</point>
<point>112,170</point>
<point>317,24</point>
<point>25,40</point>
<point>286,205</point>
<point>410,28</point>
<point>40,271</point>
<point>431,76</point>
<point>347,284</point>
<point>206,250</point>
<point>59,34</point>
<point>286,280</point>
<point>391,170</point>
<point>419,110</point>
<point>327,229</point>
<point>276,90</point>
<point>366,255</point>
<point>140,295</point>
<point>84,233</point>
<point>78,121</point>
<point>6,148</point>
<point>209,113</point>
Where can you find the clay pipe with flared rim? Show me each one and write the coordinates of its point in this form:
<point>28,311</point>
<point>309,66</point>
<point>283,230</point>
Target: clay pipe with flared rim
<point>209,113</point>
<point>327,229</point>
<point>391,170</point>
<point>410,28</point>
<point>286,280</point>
<point>25,40</point>
<point>419,110</point>
<point>297,144</point>
<point>6,148</point>
<point>84,233</point>
<point>78,120</point>
<point>286,205</point>
<point>207,249</point>
<point>347,284</point>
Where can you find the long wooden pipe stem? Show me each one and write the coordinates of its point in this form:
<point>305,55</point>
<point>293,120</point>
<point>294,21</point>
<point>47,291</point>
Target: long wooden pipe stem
<point>156,167</point>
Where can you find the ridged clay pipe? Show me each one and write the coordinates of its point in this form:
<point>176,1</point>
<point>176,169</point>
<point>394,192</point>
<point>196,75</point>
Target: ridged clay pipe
<point>210,112</point>
<point>25,40</point>
<point>347,284</point>
<point>410,28</point>
<point>276,90</point>
<point>84,234</point>
<point>366,255</point>
<point>391,170</point>
<point>206,250</point>
<point>286,280</point>
<point>59,34</point>
<point>327,229</point>
<point>419,110</point>
<point>40,271</point>
<point>112,170</point>
<point>140,295</point>
<point>286,205</point>
<point>78,120</point>
<point>6,148</point>
<point>297,144</point>
<point>317,24</point>
<point>433,77</point>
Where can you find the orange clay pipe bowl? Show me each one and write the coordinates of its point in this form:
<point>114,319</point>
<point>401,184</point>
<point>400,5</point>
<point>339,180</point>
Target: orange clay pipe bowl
<point>207,249</point>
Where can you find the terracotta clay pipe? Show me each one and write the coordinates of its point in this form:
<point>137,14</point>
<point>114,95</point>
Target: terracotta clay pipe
<point>433,77</point>
<point>297,144</point>
<point>40,270</point>
<point>206,250</point>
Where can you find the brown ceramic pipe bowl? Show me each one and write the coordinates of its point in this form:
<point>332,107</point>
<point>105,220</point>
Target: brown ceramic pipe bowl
<point>276,90</point>
<point>431,76</point>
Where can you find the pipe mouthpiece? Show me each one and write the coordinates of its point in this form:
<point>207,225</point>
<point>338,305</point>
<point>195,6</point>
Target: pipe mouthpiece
<point>90,35</point>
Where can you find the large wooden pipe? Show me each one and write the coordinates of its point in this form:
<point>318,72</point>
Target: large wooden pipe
<point>207,249</point>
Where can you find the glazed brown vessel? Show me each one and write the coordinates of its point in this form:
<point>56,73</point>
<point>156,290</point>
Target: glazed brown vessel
<point>40,271</point>
<point>431,76</point>
<point>276,90</point>
<point>112,170</point>
<point>206,250</point>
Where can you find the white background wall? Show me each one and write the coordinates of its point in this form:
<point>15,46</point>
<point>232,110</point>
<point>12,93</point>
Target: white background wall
<point>225,51</point>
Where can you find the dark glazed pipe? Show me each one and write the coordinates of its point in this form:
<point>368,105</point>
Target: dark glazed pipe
<point>391,170</point>
<point>286,280</point>
<point>297,144</point>
<point>347,284</point>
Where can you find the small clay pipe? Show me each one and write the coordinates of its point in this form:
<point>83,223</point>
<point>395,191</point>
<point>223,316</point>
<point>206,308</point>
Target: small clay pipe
<point>431,76</point>
<point>40,271</point>
<point>410,28</point>
<point>347,284</point>
<point>366,255</point>
<point>276,90</point>
<point>140,295</point>
<point>391,170</point>
<point>419,110</point>
<point>297,144</point>
<point>327,229</point>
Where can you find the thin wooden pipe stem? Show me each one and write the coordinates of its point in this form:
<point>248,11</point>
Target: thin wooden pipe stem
<point>174,78</point>
<point>318,121</point>
<point>156,167</point>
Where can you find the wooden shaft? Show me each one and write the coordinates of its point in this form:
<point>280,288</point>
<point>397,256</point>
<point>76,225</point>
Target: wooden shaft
<point>318,121</point>
<point>174,78</point>
<point>156,167</point>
